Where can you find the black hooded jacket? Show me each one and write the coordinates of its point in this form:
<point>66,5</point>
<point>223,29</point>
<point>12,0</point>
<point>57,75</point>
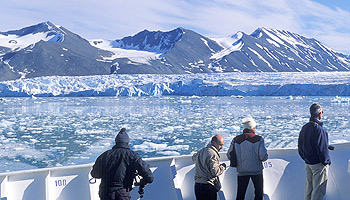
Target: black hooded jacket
<point>117,168</point>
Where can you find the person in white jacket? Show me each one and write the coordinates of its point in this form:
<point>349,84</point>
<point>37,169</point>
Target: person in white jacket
<point>250,152</point>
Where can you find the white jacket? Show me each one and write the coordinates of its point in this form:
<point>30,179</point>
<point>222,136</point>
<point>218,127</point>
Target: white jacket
<point>250,151</point>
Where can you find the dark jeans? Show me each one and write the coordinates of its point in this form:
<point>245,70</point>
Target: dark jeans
<point>205,191</point>
<point>243,182</point>
<point>120,194</point>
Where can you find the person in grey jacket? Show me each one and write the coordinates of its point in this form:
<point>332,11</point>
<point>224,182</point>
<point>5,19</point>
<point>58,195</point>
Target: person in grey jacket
<point>251,152</point>
<point>208,169</point>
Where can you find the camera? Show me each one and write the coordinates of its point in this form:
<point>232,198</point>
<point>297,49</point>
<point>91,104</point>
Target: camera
<point>141,190</point>
<point>141,185</point>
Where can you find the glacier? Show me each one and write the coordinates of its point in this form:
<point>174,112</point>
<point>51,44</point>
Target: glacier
<point>215,84</point>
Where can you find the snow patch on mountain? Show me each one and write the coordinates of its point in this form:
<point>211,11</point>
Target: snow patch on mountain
<point>273,42</point>
<point>262,58</point>
<point>137,56</point>
<point>229,44</point>
<point>17,40</point>
<point>142,47</point>
<point>207,44</point>
<point>289,38</point>
<point>273,37</point>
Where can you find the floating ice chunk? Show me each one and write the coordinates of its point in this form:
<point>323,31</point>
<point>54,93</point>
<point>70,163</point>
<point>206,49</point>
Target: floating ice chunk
<point>150,146</point>
<point>338,99</point>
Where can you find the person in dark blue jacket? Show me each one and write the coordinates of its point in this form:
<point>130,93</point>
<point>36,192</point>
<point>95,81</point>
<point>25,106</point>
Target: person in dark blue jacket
<point>117,169</point>
<point>313,149</point>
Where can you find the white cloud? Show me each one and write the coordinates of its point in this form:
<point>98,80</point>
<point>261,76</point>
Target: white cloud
<point>113,19</point>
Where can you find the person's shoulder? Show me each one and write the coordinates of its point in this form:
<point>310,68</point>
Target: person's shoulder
<point>258,137</point>
<point>135,156</point>
<point>320,129</point>
<point>317,125</point>
<point>255,139</point>
<point>211,151</point>
<point>310,123</point>
<point>239,139</point>
<point>107,152</point>
<point>305,125</point>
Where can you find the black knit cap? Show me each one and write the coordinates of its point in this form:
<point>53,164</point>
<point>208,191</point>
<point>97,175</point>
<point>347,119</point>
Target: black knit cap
<point>122,137</point>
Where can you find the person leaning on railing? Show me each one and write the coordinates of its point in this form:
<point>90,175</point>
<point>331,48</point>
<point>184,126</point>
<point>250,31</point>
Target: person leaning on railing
<point>208,169</point>
<point>117,169</point>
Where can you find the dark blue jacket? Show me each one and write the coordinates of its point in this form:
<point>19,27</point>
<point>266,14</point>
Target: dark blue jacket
<point>313,143</point>
<point>117,167</point>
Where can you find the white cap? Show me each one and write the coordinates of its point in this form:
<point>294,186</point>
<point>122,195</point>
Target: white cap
<point>248,122</point>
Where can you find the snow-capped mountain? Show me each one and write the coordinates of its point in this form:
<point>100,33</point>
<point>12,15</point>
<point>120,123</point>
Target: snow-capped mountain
<point>178,51</point>
<point>184,51</point>
<point>49,50</point>
<point>269,50</point>
<point>150,41</point>
<point>46,50</point>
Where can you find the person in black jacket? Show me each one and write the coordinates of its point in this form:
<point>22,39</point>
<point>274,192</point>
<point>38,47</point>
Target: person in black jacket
<point>313,149</point>
<point>117,169</point>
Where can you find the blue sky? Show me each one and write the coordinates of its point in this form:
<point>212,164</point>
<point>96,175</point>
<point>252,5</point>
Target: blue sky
<point>325,20</point>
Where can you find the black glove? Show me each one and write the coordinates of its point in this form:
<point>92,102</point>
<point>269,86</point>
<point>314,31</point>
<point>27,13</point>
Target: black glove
<point>330,147</point>
<point>224,165</point>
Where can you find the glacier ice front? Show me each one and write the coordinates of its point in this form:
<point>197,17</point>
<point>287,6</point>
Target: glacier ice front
<point>216,84</point>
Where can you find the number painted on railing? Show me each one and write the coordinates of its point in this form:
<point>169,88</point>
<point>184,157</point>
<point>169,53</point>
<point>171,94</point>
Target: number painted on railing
<point>60,183</point>
<point>267,164</point>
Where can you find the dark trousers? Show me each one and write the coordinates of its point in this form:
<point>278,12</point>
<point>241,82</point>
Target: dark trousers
<point>205,191</point>
<point>120,194</point>
<point>243,182</point>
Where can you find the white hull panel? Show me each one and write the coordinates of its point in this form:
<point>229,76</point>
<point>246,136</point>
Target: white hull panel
<point>284,178</point>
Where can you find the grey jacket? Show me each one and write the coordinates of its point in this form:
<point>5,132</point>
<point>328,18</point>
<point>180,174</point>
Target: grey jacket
<point>250,151</point>
<point>207,166</point>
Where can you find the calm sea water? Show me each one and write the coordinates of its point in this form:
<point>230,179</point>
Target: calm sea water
<point>47,132</point>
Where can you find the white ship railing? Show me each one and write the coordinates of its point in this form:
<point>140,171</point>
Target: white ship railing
<point>284,178</point>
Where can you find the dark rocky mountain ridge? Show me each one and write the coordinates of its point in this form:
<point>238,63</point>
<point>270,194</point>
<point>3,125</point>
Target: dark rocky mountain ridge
<point>49,50</point>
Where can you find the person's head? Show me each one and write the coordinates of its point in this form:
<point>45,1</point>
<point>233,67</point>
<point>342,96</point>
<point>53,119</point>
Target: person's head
<point>316,111</point>
<point>217,141</point>
<point>122,137</point>
<point>249,123</point>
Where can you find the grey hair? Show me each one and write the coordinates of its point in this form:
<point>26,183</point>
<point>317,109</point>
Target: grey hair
<point>315,109</point>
